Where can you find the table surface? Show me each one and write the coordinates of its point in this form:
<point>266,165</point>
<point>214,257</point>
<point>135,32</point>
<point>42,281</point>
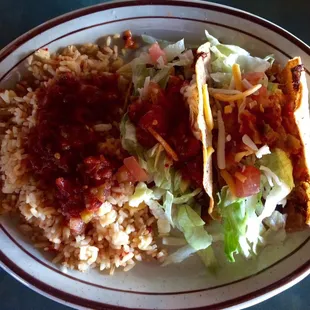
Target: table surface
<point>19,16</point>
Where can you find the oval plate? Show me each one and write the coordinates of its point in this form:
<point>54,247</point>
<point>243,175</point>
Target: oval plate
<point>187,285</point>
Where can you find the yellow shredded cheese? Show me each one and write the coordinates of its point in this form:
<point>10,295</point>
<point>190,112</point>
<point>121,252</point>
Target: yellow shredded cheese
<point>164,144</point>
<point>237,76</point>
<point>229,181</point>
<point>240,155</point>
<point>207,108</point>
<point>240,176</point>
<point>208,153</point>
<point>228,109</point>
<point>229,98</point>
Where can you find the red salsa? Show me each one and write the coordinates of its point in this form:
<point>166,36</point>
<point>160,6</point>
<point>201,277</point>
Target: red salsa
<point>166,112</point>
<point>64,148</point>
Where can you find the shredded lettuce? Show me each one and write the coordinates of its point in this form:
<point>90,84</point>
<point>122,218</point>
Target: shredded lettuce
<point>151,40</point>
<point>141,194</point>
<point>174,50</point>
<point>128,137</point>
<point>279,163</point>
<point>240,222</point>
<point>157,210</point>
<point>192,226</point>
<point>174,241</point>
<point>198,239</point>
<point>180,255</point>
<point>208,258</point>
<point>186,197</point>
<point>162,76</point>
<point>168,200</point>
<point>223,56</point>
<point>243,217</point>
<point>140,73</point>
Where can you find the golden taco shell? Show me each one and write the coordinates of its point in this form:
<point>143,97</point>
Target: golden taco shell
<point>298,206</point>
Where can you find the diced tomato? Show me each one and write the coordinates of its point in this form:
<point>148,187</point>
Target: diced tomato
<point>123,175</point>
<point>253,77</point>
<point>261,97</point>
<point>251,185</point>
<point>155,52</point>
<point>135,169</point>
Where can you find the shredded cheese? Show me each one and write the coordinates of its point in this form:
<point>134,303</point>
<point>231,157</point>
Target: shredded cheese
<point>246,84</point>
<point>237,76</point>
<point>164,144</point>
<point>241,108</point>
<point>209,152</point>
<point>271,174</point>
<point>228,109</point>
<point>220,142</point>
<point>213,91</point>
<point>264,150</point>
<point>252,104</point>
<point>207,107</point>
<point>249,142</point>
<point>240,155</point>
<point>242,178</point>
<point>229,181</point>
<point>229,98</point>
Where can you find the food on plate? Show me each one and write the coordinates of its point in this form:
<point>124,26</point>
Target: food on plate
<point>93,183</point>
<point>150,150</point>
<point>261,139</point>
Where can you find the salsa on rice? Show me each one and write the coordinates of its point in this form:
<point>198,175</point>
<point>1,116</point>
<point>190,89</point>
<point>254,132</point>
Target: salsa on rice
<point>66,149</point>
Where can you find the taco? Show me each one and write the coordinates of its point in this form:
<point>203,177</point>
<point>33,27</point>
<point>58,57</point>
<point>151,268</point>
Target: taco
<point>166,131</point>
<point>261,137</point>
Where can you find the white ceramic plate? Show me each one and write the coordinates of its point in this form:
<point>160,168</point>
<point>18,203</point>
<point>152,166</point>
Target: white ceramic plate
<point>149,286</point>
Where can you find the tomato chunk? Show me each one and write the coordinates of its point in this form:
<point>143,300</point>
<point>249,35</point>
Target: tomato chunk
<point>251,185</point>
<point>155,52</point>
<point>135,169</point>
<point>253,77</point>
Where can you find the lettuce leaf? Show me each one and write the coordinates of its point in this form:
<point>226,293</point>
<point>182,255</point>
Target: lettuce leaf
<point>140,73</point>
<point>174,50</point>
<point>151,40</point>
<point>223,56</point>
<point>168,200</point>
<point>180,255</point>
<point>281,166</point>
<point>242,227</point>
<point>129,138</point>
<point>192,226</point>
<point>186,197</point>
<point>141,194</point>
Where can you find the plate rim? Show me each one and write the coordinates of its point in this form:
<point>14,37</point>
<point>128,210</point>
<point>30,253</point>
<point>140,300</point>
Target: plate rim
<point>77,301</point>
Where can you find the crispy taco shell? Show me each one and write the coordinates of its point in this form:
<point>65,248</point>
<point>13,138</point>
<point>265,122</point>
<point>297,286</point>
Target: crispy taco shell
<point>200,115</point>
<point>298,206</point>
<point>204,119</point>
